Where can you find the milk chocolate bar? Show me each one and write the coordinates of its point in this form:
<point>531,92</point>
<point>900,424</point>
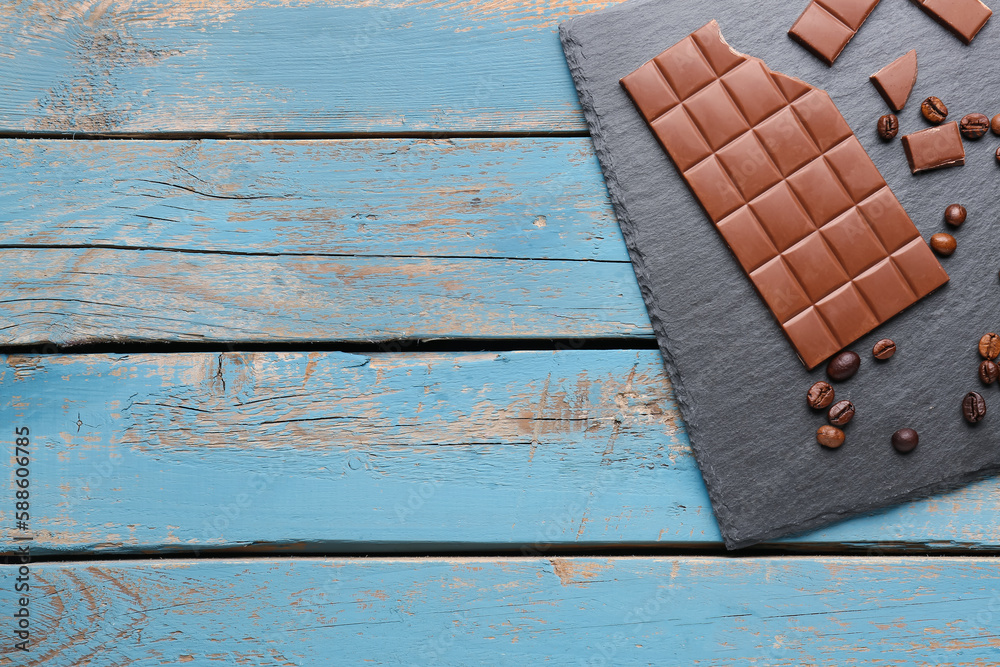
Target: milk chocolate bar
<point>934,148</point>
<point>964,18</point>
<point>826,26</point>
<point>790,189</point>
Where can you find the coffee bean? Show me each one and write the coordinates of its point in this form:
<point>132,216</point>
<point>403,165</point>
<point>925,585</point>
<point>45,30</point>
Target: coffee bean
<point>905,440</point>
<point>955,215</point>
<point>995,124</point>
<point>820,395</point>
<point>830,436</point>
<point>989,372</point>
<point>888,127</point>
<point>989,346</point>
<point>973,407</point>
<point>974,126</point>
<point>843,366</point>
<point>841,413</point>
<point>998,155</point>
<point>884,349</point>
<point>944,244</point>
<point>934,110</point>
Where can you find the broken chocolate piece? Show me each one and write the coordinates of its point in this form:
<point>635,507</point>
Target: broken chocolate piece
<point>964,18</point>
<point>895,81</point>
<point>790,189</point>
<point>826,26</point>
<point>934,148</point>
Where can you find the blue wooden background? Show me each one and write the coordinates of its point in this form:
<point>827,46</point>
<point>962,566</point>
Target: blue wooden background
<point>368,377</point>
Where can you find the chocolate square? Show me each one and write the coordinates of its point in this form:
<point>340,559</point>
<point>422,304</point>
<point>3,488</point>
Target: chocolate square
<point>847,314</point>
<point>780,289</point>
<point>679,137</point>
<point>816,267</point>
<point>820,191</point>
<point>782,216</point>
<point>715,113</point>
<point>821,33</point>
<point>787,141</point>
<point>853,242</point>
<point>885,289</point>
<point>747,239</point>
<point>749,165</point>
<point>652,94</point>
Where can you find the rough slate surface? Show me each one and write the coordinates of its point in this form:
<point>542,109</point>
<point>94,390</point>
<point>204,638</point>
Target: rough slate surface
<point>740,386</point>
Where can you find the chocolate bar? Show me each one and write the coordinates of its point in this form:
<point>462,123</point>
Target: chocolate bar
<point>964,18</point>
<point>826,26</point>
<point>895,81</point>
<point>934,148</point>
<point>790,189</point>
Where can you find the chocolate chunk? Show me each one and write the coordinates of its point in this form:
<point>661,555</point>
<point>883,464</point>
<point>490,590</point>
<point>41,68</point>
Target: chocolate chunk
<point>825,27</point>
<point>989,346</point>
<point>796,198</point>
<point>843,366</point>
<point>888,127</point>
<point>895,81</point>
<point>884,349</point>
<point>905,440</point>
<point>841,413</point>
<point>934,148</point>
<point>964,18</point>
<point>820,395</point>
<point>934,110</point>
<point>974,126</point>
<point>955,215</point>
<point>973,407</point>
<point>829,436</point>
<point>944,244</point>
<point>989,372</point>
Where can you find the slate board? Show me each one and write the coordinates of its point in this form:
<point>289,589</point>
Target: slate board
<point>740,387</point>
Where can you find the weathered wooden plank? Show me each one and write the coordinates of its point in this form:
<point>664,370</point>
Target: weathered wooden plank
<point>335,452</point>
<point>581,611</point>
<point>317,241</point>
<point>76,296</point>
<point>286,65</point>
<point>512,198</point>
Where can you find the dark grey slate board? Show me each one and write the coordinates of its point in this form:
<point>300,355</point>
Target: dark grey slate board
<point>740,387</point>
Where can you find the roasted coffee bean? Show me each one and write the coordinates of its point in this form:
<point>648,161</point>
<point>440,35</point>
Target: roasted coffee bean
<point>884,349</point>
<point>905,440</point>
<point>830,436</point>
<point>934,110</point>
<point>820,395</point>
<point>974,126</point>
<point>944,244</point>
<point>843,366</point>
<point>989,346</point>
<point>973,407</point>
<point>995,124</point>
<point>841,413</point>
<point>955,215</point>
<point>998,155</point>
<point>888,127</point>
<point>989,372</point>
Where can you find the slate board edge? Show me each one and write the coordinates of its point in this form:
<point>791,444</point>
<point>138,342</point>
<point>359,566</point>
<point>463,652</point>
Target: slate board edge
<point>573,51</point>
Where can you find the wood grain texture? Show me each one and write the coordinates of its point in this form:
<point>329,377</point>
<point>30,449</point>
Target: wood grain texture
<point>331,452</point>
<point>286,66</point>
<point>512,198</point>
<point>310,241</point>
<point>584,611</point>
